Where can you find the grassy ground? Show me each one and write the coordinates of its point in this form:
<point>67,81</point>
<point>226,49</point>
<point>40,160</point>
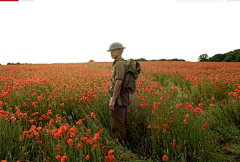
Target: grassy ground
<point>181,111</point>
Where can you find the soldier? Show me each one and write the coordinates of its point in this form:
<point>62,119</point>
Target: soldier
<point>120,98</point>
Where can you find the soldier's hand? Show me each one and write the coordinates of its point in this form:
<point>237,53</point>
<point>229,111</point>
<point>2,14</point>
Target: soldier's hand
<point>111,105</point>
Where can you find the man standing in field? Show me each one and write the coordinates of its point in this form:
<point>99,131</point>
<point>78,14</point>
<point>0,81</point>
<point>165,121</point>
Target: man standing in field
<point>120,99</point>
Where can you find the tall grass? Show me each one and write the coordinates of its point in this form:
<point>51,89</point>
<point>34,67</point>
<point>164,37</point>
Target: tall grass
<point>179,112</point>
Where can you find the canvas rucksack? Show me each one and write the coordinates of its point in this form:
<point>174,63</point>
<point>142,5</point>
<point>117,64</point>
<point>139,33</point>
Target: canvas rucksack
<point>131,74</point>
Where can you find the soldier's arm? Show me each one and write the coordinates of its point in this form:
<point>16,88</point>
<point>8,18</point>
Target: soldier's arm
<point>117,89</point>
<point>120,73</point>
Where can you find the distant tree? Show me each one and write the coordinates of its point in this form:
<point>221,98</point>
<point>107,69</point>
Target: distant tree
<point>181,60</point>
<point>18,63</point>
<point>141,59</point>
<point>238,56</point>
<point>217,58</point>
<point>175,59</point>
<point>91,61</point>
<point>162,59</point>
<point>203,57</point>
<point>231,57</point>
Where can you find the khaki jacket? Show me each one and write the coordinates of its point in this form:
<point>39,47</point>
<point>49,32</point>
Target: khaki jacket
<point>118,73</point>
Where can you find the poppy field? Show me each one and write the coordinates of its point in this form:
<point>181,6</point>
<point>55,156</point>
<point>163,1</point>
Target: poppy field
<point>181,111</point>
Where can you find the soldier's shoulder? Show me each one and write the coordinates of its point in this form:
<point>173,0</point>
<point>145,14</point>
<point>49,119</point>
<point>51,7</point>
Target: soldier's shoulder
<point>121,63</point>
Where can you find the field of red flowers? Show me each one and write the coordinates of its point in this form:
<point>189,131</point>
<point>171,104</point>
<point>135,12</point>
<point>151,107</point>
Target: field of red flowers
<point>181,111</point>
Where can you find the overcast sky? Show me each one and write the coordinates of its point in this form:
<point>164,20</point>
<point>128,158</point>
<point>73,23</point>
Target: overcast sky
<point>71,31</point>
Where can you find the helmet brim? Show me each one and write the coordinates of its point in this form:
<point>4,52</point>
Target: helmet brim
<point>115,48</point>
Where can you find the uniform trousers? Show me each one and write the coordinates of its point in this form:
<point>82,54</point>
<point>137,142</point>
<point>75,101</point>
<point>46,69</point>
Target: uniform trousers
<point>120,124</point>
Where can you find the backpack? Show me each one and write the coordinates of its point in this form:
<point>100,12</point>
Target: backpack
<point>131,74</point>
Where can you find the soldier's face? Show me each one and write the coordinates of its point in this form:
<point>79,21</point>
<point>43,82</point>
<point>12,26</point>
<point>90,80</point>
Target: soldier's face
<point>115,53</point>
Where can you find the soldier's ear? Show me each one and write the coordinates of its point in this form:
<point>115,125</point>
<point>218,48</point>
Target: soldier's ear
<point>121,51</point>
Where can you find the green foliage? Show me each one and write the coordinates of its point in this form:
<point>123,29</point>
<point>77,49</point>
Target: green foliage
<point>217,58</point>
<point>91,61</point>
<point>141,59</point>
<point>198,138</point>
<point>174,59</point>
<point>18,63</point>
<point>162,59</point>
<point>203,57</point>
<point>232,56</point>
<point>10,132</point>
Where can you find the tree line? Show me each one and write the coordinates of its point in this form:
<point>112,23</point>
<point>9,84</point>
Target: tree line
<point>139,59</point>
<point>174,59</point>
<point>143,59</point>
<point>18,63</point>
<point>232,56</point>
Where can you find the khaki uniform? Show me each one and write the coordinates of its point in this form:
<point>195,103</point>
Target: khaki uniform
<point>120,124</point>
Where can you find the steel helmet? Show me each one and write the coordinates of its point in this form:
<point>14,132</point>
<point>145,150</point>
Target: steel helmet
<point>116,45</point>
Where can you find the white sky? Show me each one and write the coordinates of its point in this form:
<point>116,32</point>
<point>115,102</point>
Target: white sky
<point>71,31</point>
